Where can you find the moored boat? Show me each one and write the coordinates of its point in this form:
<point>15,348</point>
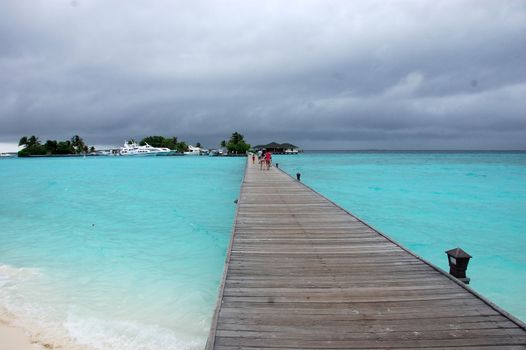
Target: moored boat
<point>133,149</point>
<point>195,151</point>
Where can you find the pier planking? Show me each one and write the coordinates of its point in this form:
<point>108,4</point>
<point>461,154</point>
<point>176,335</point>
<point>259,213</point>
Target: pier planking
<point>303,273</point>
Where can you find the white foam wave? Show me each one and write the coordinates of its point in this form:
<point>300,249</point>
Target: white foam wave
<point>21,307</point>
<point>116,335</point>
<point>11,279</point>
<point>9,274</point>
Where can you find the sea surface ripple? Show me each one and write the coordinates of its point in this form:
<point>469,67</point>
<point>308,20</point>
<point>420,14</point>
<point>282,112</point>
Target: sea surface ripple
<point>115,252</point>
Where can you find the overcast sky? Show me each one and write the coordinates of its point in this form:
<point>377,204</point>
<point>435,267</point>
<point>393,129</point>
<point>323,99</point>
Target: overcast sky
<point>320,74</point>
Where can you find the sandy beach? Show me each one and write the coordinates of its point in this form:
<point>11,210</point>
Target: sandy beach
<point>14,338</point>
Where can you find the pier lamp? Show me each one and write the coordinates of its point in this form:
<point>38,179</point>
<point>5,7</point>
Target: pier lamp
<point>458,264</point>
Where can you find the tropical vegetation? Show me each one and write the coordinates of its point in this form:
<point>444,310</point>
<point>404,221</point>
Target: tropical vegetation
<point>237,144</point>
<point>168,142</point>
<point>33,146</point>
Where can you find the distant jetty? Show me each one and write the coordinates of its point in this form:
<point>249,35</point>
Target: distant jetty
<point>279,148</point>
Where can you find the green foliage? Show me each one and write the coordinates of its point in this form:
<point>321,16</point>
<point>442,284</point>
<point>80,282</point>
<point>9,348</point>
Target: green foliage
<point>237,144</point>
<point>198,144</point>
<point>23,141</point>
<point>24,152</point>
<point>51,146</point>
<point>158,141</point>
<point>65,147</point>
<point>33,150</point>
<point>182,147</point>
<point>33,141</point>
<point>78,144</point>
<point>33,147</point>
<point>167,142</point>
<point>223,143</point>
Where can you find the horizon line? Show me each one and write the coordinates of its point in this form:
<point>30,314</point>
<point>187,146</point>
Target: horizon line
<point>414,150</point>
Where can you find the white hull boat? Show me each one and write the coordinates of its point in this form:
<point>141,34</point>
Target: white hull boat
<point>133,149</point>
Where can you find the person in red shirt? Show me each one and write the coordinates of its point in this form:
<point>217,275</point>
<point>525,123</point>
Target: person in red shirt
<point>268,159</point>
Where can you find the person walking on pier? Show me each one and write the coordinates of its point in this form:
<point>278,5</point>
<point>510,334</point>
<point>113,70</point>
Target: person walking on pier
<point>261,159</point>
<point>268,159</point>
<point>253,159</point>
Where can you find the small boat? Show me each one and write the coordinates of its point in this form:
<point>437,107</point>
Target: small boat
<point>194,151</point>
<point>215,153</point>
<point>108,152</point>
<point>7,155</point>
<point>133,149</point>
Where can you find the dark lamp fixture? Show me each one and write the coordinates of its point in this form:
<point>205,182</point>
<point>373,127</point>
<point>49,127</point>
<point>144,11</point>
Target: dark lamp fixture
<point>458,263</point>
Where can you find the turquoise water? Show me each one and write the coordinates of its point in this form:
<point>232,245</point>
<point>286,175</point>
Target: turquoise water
<point>127,253</point>
<point>431,202</point>
<point>114,252</point>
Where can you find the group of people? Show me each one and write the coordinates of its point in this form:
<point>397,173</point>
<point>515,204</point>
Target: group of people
<point>264,159</point>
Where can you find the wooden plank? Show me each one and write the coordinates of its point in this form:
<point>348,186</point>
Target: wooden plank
<point>303,273</point>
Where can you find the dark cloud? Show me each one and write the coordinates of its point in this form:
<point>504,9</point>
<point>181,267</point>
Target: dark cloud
<point>323,74</point>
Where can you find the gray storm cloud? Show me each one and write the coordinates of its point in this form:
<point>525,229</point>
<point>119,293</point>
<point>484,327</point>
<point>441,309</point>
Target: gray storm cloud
<point>322,74</point>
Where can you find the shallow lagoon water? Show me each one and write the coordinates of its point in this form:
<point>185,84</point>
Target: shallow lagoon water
<point>116,253</point>
<point>434,201</point>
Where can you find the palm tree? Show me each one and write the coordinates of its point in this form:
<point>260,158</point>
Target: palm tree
<point>223,143</point>
<point>237,144</point>
<point>33,140</point>
<point>51,146</point>
<point>23,141</point>
<point>78,143</point>
<point>198,145</point>
<point>236,137</point>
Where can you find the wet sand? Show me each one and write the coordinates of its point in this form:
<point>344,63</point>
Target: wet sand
<point>12,338</point>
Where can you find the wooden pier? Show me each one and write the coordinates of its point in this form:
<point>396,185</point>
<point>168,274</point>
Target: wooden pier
<point>303,273</point>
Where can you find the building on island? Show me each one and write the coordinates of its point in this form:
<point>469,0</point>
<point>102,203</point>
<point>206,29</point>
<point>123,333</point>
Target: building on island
<point>279,148</point>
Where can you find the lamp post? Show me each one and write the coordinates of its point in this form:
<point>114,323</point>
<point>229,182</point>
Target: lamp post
<point>458,264</point>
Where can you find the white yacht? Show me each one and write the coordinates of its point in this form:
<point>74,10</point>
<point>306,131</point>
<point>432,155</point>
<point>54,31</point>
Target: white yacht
<point>133,149</point>
<point>194,151</point>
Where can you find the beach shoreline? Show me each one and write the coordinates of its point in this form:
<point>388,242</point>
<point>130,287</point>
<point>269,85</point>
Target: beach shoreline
<point>19,333</point>
<point>15,338</point>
